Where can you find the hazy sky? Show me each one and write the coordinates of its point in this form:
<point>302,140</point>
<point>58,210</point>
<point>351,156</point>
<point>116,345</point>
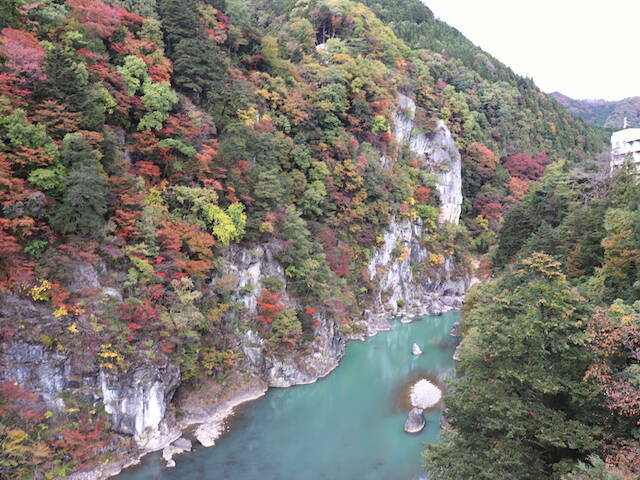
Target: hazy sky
<point>582,48</point>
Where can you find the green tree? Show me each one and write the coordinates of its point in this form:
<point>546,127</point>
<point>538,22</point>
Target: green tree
<point>17,131</point>
<point>547,203</point>
<point>134,71</point>
<point>198,62</point>
<point>304,259</point>
<point>199,67</point>
<point>521,408</point>
<point>159,99</point>
<point>84,203</point>
<point>179,21</point>
<point>313,199</point>
<point>69,85</point>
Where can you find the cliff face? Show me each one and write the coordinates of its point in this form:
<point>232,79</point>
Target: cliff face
<point>409,286</point>
<point>140,401</point>
<point>136,400</point>
<point>252,267</point>
<point>439,149</point>
<point>412,283</point>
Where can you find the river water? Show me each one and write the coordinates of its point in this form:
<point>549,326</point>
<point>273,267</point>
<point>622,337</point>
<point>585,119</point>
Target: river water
<point>347,426</point>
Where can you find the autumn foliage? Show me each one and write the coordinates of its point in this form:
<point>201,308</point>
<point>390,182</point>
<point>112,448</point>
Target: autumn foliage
<point>23,54</point>
<point>99,18</point>
<point>269,306</point>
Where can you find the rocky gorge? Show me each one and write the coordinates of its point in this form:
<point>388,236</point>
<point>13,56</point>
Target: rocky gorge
<point>147,401</point>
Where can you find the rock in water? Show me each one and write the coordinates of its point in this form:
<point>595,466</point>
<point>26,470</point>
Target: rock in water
<point>208,433</point>
<point>415,421</point>
<point>179,446</point>
<point>455,330</point>
<point>456,354</point>
<point>416,349</point>
<point>425,394</point>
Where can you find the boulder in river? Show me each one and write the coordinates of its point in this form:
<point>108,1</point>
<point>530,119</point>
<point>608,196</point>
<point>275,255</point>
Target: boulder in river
<point>416,349</point>
<point>425,394</point>
<point>456,354</point>
<point>415,421</point>
<point>207,433</point>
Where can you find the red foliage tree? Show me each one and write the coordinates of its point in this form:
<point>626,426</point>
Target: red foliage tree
<point>518,188</point>
<point>624,459</point>
<point>338,256</point>
<point>147,169</point>
<point>185,249</point>
<point>11,187</point>
<point>310,313</point>
<point>23,54</point>
<point>422,194</point>
<point>15,268</point>
<point>57,119</point>
<point>527,167</point>
<point>9,89</point>
<point>127,203</point>
<point>615,339</point>
<point>99,19</point>
<point>84,439</point>
<point>269,306</point>
<point>138,314</point>
<point>18,401</point>
<point>490,207</point>
<point>483,159</point>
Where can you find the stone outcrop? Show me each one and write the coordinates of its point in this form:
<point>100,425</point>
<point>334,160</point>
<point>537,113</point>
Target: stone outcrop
<point>415,421</point>
<point>252,267</point>
<point>137,399</point>
<point>425,394</point>
<point>179,446</point>
<point>440,150</point>
<point>45,371</point>
<point>456,353</point>
<point>137,402</point>
<point>408,283</point>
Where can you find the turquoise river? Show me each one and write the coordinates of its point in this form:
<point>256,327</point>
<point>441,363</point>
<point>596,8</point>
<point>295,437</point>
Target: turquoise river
<point>347,426</point>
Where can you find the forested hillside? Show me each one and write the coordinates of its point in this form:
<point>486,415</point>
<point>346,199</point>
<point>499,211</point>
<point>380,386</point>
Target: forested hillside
<point>610,114</point>
<point>515,129</point>
<point>153,153</point>
<point>550,349</point>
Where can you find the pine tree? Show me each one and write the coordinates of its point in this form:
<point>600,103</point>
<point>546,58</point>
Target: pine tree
<point>84,203</point>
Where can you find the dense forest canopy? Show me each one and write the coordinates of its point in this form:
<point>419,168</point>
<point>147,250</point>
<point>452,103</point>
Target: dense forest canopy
<point>550,348</point>
<point>151,137</point>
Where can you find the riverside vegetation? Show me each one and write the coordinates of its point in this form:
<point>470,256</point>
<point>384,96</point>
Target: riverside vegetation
<point>148,148</point>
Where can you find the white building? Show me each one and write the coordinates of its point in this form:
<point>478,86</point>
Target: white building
<point>625,144</point>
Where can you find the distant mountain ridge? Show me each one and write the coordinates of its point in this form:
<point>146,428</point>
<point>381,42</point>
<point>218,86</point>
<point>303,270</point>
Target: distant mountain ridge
<point>605,113</point>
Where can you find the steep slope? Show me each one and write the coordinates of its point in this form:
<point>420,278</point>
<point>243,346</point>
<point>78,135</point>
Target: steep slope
<point>506,117</point>
<point>550,344</point>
